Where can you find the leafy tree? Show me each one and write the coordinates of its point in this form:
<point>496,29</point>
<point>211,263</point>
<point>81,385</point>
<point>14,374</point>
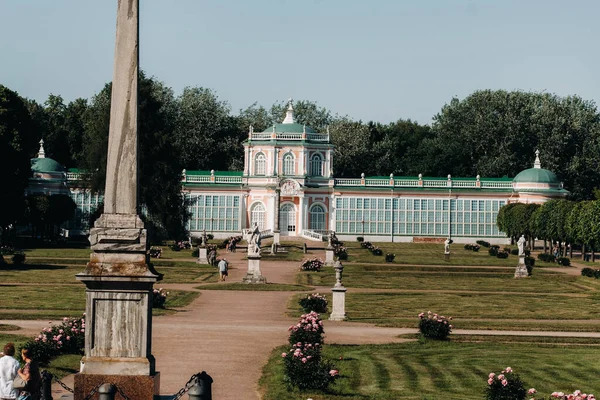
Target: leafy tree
<point>47,212</point>
<point>352,148</point>
<point>17,145</point>
<point>306,112</point>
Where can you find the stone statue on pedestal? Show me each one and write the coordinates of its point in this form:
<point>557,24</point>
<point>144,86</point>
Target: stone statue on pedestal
<point>521,244</point>
<point>253,240</point>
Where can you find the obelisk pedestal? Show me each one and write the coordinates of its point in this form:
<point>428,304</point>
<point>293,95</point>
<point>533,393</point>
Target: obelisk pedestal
<point>521,270</point>
<point>119,278</point>
<point>338,303</point>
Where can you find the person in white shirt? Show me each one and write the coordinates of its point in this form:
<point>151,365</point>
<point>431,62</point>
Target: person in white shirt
<point>8,371</point>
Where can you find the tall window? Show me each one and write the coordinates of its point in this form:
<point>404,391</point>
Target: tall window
<point>288,164</point>
<point>260,164</point>
<point>317,218</point>
<point>213,213</point>
<point>316,165</point>
<point>287,218</point>
<point>258,216</point>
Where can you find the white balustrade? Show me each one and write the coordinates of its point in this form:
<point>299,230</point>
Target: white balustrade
<point>312,235</point>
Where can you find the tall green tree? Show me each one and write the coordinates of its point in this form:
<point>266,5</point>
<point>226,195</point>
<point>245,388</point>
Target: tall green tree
<point>17,145</point>
<point>306,112</point>
<point>352,148</point>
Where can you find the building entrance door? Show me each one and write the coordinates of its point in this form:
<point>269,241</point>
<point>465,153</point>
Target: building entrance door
<point>287,220</point>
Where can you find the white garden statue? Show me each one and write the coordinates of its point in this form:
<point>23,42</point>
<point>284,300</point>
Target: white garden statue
<point>521,244</point>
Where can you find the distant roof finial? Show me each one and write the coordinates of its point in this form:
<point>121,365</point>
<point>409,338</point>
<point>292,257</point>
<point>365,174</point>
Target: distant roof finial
<point>537,163</point>
<point>289,115</point>
<point>41,153</point>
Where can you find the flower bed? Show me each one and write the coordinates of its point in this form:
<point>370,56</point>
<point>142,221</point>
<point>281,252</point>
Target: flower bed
<point>504,386</point>
<point>313,264</point>
<point>472,247</point>
<point>314,302</point>
<point>155,252</point>
<point>66,338</point>
<point>434,326</point>
<point>340,252</point>
<point>389,257</point>
<point>159,298</point>
<point>376,251</point>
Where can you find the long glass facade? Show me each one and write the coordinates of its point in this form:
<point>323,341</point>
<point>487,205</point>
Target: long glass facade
<point>417,216</point>
<point>213,212</point>
<point>86,202</point>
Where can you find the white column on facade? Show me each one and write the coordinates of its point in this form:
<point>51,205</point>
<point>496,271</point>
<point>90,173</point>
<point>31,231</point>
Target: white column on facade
<point>301,170</point>
<point>305,162</point>
<point>250,163</point>
<point>270,212</point>
<point>246,161</point>
<point>269,163</point>
<point>275,160</point>
<point>243,211</point>
<point>301,214</point>
<point>329,163</point>
<point>332,212</point>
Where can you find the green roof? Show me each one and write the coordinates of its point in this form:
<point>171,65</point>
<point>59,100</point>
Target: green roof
<point>291,128</point>
<point>536,175</point>
<point>46,165</point>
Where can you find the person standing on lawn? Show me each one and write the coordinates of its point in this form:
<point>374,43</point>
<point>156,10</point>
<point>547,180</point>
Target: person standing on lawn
<point>223,267</point>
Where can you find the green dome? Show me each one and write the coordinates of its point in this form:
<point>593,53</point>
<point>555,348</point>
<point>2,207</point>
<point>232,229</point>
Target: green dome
<point>46,165</point>
<point>289,128</point>
<point>536,175</point>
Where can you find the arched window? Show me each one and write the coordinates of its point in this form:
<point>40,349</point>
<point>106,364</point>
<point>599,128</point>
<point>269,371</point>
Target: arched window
<point>317,218</point>
<point>316,165</point>
<point>288,164</point>
<point>287,219</point>
<point>257,216</point>
<point>260,164</point>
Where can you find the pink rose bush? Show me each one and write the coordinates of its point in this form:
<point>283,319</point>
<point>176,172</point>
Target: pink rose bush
<point>314,264</point>
<point>576,395</point>
<point>159,298</point>
<point>505,386</point>
<point>304,366</point>
<point>434,326</point>
<point>54,340</point>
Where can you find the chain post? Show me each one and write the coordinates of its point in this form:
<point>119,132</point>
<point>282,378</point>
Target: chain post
<point>202,388</point>
<point>46,389</point>
<point>107,391</point>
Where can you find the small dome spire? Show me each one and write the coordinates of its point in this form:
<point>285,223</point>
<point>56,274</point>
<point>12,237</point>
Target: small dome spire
<point>41,153</point>
<point>537,163</point>
<point>289,115</point>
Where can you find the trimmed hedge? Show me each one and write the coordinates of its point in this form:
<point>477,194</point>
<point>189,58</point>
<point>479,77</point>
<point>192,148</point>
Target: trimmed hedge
<point>483,243</point>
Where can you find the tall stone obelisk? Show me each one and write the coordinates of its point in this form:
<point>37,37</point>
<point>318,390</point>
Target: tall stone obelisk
<point>119,278</point>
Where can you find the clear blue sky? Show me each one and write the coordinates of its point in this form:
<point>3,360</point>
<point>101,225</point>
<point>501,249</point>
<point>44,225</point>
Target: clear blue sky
<point>370,59</point>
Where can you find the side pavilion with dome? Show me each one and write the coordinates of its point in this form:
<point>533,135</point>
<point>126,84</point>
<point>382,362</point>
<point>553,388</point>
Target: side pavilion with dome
<point>287,188</point>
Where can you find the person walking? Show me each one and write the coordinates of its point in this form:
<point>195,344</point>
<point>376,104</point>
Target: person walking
<point>9,368</point>
<point>31,374</point>
<point>223,267</point>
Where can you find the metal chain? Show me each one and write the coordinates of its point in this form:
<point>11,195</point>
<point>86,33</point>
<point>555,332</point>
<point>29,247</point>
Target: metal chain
<point>61,383</point>
<point>186,388</point>
<point>93,391</point>
<point>121,392</point>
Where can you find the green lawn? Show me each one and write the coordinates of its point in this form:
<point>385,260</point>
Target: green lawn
<point>441,370</point>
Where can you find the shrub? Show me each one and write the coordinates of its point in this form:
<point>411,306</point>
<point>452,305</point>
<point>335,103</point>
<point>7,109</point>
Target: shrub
<point>309,329</point>
<point>509,250</point>
<point>434,326</point>
<point>505,386</point>
<point>389,257</point>
<point>314,302</point>
<point>563,261</point>
<point>587,272</point>
<point>514,252</point>
<point>313,264</point>
<point>483,243</point>
<point>18,258</point>
<point>529,263</point>
<point>210,236</point>
<point>377,251</point>
<point>493,251</point>
<point>360,239</point>
<point>66,338</point>
<point>155,252</point>
<point>475,247</point>
<point>7,250</point>
<point>546,257</point>
<point>502,254</point>
<point>305,369</point>
<point>340,252</point>
<point>159,298</point>
<point>196,252</point>
<point>576,395</point>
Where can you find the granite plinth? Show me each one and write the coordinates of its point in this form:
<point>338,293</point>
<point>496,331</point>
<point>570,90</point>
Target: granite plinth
<point>521,270</point>
<point>136,387</point>
<point>202,256</point>
<point>338,308</point>
<point>329,260</point>
<point>276,235</point>
<point>253,275</point>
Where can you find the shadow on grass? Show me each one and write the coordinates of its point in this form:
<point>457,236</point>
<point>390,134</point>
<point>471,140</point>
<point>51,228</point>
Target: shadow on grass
<point>30,267</point>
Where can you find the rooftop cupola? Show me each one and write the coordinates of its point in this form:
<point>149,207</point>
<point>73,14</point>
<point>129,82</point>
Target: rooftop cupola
<point>537,163</point>
<point>289,115</point>
<point>41,153</point>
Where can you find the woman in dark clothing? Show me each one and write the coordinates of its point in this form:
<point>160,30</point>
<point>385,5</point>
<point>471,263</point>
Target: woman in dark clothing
<point>31,374</point>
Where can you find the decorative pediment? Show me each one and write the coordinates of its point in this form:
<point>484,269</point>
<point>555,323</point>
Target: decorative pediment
<point>290,187</point>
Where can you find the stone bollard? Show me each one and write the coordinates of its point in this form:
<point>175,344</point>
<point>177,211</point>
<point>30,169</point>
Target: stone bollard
<point>202,389</point>
<point>46,390</point>
<point>107,391</point>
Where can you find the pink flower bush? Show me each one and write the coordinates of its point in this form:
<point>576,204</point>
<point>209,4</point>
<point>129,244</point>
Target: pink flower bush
<point>506,385</point>
<point>66,338</point>
<point>314,264</point>
<point>434,326</point>
<point>314,302</point>
<point>309,329</point>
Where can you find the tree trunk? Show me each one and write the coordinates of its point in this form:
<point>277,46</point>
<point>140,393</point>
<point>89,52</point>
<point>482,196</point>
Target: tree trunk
<point>545,246</point>
<point>593,255</point>
<point>582,252</point>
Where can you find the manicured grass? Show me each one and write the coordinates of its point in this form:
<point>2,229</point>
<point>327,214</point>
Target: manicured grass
<point>8,327</point>
<point>431,254</point>
<point>256,288</point>
<point>441,370</point>
<point>449,278</point>
<point>53,302</point>
<point>59,252</point>
<point>470,311</point>
<point>64,365</point>
<point>18,340</point>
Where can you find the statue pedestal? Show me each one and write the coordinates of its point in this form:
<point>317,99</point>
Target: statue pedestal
<point>338,307</point>
<point>135,387</point>
<point>276,237</point>
<point>253,275</point>
<point>521,270</point>
<point>202,256</point>
<point>447,256</point>
<point>329,256</point>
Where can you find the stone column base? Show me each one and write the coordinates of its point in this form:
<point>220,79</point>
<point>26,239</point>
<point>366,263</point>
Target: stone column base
<point>447,256</point>
<point>276,237</point>
<point>138,387</point>
<point>253,275</point>
<point>202,256</point>
<point>521,270</point>
<point>338,308</point>
<point>329,256</point>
